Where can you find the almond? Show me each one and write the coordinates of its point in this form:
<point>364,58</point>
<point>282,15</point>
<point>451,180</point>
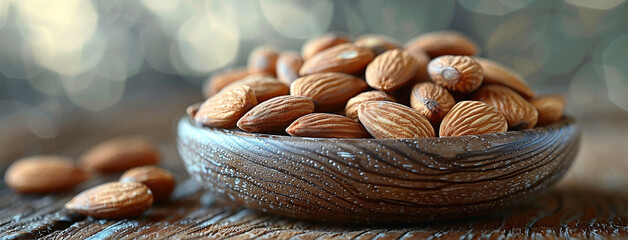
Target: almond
<point>119,154</point>
<point>390,70</point>
<point>191,110</point>
<point>275,114</point>
<point>431,101</point>
<point>264,86</point>
<point>550,108</point>
<point>351,110</point>
<point>495,73</point>
<point>472,118</point>
<point>318,44</point>
<point>160,181</point>
<point>225,108</point>
<point>217,82</point>
<point>43,174</point>
<point>519,113</point>
<point>377,43</point>
<point>383,119</point>
<point>329,91</point>
<point>326,125</point>
<point>112,200</point>
<point>456,73</point>
<point>344,58</point>
<point>422,59</point>
<point>263,60</point>
<point>442,43</point>
<point>288,66</point>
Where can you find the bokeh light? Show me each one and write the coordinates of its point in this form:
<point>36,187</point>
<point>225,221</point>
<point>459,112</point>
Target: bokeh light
<point>299,19</point>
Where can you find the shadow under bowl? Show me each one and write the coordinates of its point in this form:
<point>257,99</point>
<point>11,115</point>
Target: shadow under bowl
<point>377,180</point>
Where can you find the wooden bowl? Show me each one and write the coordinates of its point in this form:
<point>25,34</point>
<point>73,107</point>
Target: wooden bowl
<point>377,180</point>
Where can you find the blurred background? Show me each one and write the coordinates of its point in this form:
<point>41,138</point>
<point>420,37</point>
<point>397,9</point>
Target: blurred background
<point>77,67</point>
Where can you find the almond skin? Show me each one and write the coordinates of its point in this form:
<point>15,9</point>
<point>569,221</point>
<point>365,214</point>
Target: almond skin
<point>160,181</point>
<point>519,113</point>
<point>112,200</point>
<point>442,43</point>
<point>390,70</point>
<point>344,58</point>
<point>431,101</point>
<point>422,60</point>
<point>472,118</point>
<point>351,110</point>
<point>264,86</point>
<point>318,44</point>
<point>377,43</point>
<point>329,91</point>
<point>119,154</point>
<point>460,74</point>
<point>191,110</point>
<point>218,81</point>
<point>288,66</point>
<point>495,73</point>
<point>275,114</point>
<point>43,174</point>
<point>225,108</point>
<point>383,119</point>
<point>326,125</point>
<point>550,108</point>
<point>263,60</point>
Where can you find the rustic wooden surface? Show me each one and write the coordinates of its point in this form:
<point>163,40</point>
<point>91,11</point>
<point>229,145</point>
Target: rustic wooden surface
<point>591,202</point>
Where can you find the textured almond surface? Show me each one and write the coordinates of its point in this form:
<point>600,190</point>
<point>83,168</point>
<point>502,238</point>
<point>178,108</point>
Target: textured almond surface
<point>263,60</point>
<point>192,110</point>
<point>456,73</point>
<point>43,174</point>
<point>495,73</point>
<point>377,43</point>
<point>264,86</point>
<point>160,181</point>
<point>119,154</point>
<point>318,44</point>
<point>225,108</point>
<point>275,114</point>
<point>550,108</point>
<point>519,113</point>
<point>432,101</point>
<point>390,70</point>
<point>288,66</point>
<point>217,82</point>
<point>112,200</point>
<point>383,119</point>
<point>329,91</point>
<point>472,118</point>
<point>351,110</point>
<point>444,43</point>
<point>326,125</point>
<point>422,59</point>
<point>344,58</point>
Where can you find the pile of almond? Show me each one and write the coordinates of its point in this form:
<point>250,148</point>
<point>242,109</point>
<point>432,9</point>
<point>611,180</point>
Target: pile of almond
<point>375,87</point>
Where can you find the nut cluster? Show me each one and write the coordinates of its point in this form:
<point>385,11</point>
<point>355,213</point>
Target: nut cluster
<point>375,87</point>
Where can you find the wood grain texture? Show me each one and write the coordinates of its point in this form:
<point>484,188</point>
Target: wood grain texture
<point>377,180</point>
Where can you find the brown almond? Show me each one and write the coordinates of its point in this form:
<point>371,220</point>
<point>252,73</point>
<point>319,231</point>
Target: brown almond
<point>191,110</point>
<point>318,44</point>
<point>160,181</point>
<point>460,74</point>
<point>112,200</point>
<point>422,60</point>
<point>263,60</point>
<point>351,110</point>
<point>390,70</point>
<point>431,101</point>
<point>550,108</point>
<point>377,43</point>
<point>329,91</point>
<point>120,153</point>
<point>472,118</point>
<point>43,174</point>
<point>218,81</point>
<point>264,86</point>
<point>288,66</point>
<point>275,114</point>
<point>442,43</point>
<point>495,73</point>
<point>343,58</point>
<point>383,119</point>
<point>519,113</point>
<point>225,108</point>
<point>326,125</point>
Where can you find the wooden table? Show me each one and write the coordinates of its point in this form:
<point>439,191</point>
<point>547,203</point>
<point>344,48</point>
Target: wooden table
<point>591,202</point>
